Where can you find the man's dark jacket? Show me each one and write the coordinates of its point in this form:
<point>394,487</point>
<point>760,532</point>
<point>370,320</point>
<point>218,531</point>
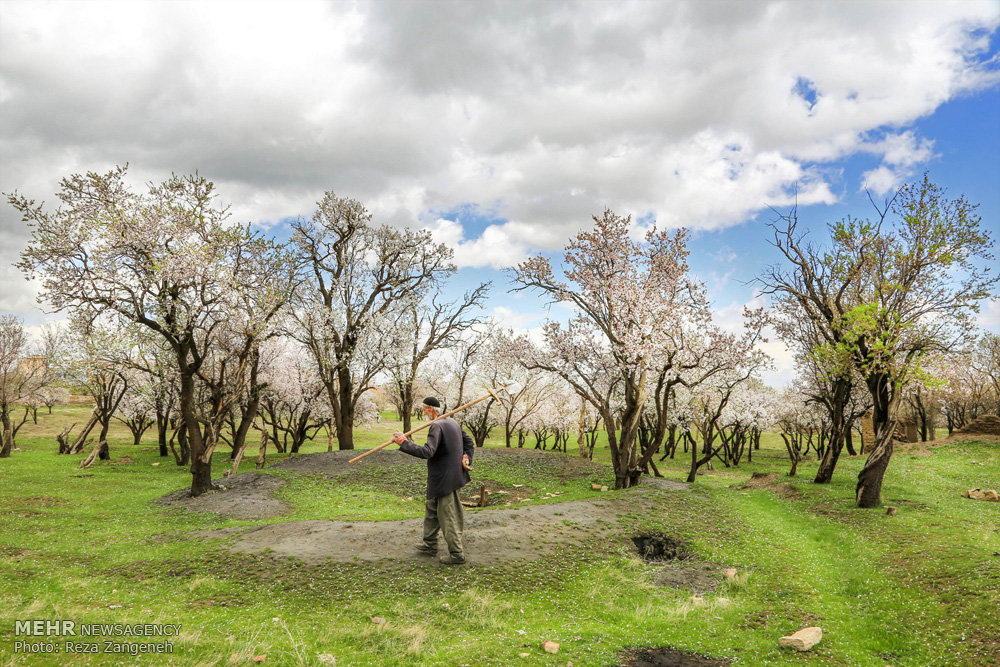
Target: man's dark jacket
<point>446,442</point>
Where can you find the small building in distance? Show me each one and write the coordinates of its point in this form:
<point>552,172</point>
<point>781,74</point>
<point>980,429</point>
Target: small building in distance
<point>33,365</point>
<point>906,431</point>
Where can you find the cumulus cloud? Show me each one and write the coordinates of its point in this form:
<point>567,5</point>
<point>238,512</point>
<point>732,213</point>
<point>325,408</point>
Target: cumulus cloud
<point>900,152</point>
<point>497,247</point>
<point>689,113</point>
<point>881,180</point>
<point>730,318</point>
<point>989,315</point>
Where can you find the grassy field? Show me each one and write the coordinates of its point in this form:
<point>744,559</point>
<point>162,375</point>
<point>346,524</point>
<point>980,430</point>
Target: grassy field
<point>918,588</point>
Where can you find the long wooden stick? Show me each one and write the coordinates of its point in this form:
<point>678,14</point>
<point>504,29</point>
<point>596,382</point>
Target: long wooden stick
<point>423,426</point>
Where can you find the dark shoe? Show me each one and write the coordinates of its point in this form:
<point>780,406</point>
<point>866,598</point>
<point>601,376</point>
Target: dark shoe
<point>427,550</point>
<point>453,560</point>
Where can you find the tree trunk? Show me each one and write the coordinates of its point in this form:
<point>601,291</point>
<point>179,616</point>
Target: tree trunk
<point>184,455</point>
<point>161,433</point>
<point>840,394</point>
<point>201,476</point>
<point>849,438</point>
<point>868,492</point>
<point>826,467</point>
<point>86,463</point>
<point>407,397</point>
<point>869,489</point>
<point>693,470</point>
<point>201,471</point>
<point>6,437</point>
<point>345,411</point>
<point>262,454</point>
<point>82,436</point>
<point>247,419</point>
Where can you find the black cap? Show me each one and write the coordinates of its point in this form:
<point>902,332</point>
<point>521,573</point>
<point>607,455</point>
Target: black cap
<point>433,402</point>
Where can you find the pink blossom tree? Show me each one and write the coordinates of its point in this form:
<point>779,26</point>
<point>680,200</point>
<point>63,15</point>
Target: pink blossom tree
<point>167,259</point>
<point>628,295</point>
<point>432,325</point>
<point>359,276</point>
<point>18,379</point>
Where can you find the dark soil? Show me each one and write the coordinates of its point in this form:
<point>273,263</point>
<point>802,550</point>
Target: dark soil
<point>250,495</point>
<point>770,481</point>
<point>987,424</point>
<point>657,547</point>
<point>696,576</point>
<point>498,534</point>
<point>490,536</point>
<point>336,463</point>
<point>246,496</point>
<point>661,483</point>
<point>667,657</point>
<point>496,494</point>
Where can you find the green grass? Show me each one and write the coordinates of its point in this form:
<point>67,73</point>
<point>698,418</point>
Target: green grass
<point>918,588</point>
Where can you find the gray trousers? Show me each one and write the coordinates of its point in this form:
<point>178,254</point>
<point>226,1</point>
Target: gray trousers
<point>444,515</point>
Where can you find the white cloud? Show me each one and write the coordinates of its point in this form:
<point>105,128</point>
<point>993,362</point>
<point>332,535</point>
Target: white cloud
<point>905,149</point>
<point>881,180</point>
<point>900,153</point>
<point>730,318</point>
<point>511,319</point>
<point>499,246</point>
<point>696,114</point>
<point>989,315</point>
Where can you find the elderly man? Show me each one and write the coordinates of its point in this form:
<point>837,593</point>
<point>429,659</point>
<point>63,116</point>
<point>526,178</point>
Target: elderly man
<point>448,452</point>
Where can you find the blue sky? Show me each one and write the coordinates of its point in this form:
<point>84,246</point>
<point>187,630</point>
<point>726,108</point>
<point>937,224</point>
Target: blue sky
<point>966,159</point>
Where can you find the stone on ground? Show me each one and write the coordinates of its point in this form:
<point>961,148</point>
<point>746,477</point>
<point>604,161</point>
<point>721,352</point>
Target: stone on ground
<point>550,647</point>
<point>803,640</point>
<point>978,494</point>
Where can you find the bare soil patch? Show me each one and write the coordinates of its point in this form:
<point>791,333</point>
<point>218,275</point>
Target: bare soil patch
<point>664,484</point>
<point>492,535</point>
<point>250,495</point>
<point>770,482</point>
<point>987,424</point>
<point>658,547</point>
<point>696,576</point>
<point>667,657</point>
<point>496,494</point>
<point>246,496</point>
<point>957,438</point>
<point>336,463</point>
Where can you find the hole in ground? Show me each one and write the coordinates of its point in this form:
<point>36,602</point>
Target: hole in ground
<point>658,547</point>
<point>667,657</point>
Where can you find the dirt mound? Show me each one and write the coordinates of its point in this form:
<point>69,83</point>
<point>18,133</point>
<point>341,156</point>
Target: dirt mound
<point>246,496</point>
<point>657,547</point>
<point>524,533</point>
<point>695,576</point>
<point>769,481</point>
<point>336,463</point>
<point>496,494</point>
<point>665,484</point>
<point>250,495</point>
<point>987,424</point>
<point>666,657</point>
